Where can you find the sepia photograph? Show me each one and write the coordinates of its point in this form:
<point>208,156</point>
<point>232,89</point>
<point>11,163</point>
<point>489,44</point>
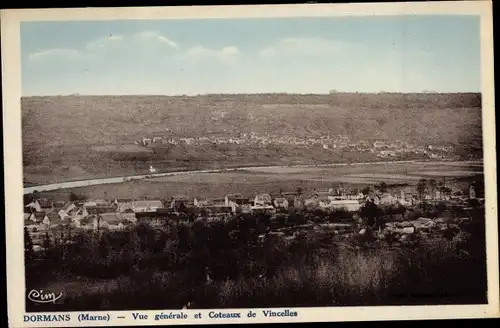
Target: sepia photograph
<point>253,162</point>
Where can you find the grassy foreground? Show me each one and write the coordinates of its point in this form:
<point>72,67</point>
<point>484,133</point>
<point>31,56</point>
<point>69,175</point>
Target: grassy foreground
<point>166,267</point>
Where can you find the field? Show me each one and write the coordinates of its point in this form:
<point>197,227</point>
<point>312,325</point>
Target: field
<point>273,180</point>
<point>82,137</point>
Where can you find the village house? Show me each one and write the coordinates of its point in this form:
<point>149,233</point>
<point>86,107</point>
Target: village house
<point>41,205</point>
<point>96,210</point>
<point>281,202</point>
<point>387,153</point>
<point>262,200</point>
<point>75,220</point>
<point>294,199</point>
<point>236,201</point>
<point>289,194</point>
<point>33,226</point>
<point>233,198</point>
<point>34,206</point>
<point>321,193</point>
<point>67,210</point>
<point>216,211</point>
<point>201,202</point>
<point>321,201</point>
<point>112,221</point>
<point>445,193</point>
<point>387,199</point>
<point>313,201</point>
<point>350,205</point>
<point>146,205</point>
<point>405,198</point>
<point>131,217</point>
<point>297,201</point>
<point>123,204</point>
<point>97,202</point>
<point>266,209</point>
<point>55,221</point>
<point>87,223</point>
<point>37,221</point>
<point>379,145</point>
<point>58,204</point>
<point>80,213</point>
<point>180,201</point>
<point>46,205</point>
<point>39,217</point>
<point>219,202</point>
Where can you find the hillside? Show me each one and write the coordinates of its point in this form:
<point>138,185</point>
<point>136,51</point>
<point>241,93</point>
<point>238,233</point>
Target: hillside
<point>60,133</point>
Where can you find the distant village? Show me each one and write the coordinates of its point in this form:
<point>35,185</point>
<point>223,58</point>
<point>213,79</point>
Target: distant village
<point>383,149</point>
<point>42,216</point>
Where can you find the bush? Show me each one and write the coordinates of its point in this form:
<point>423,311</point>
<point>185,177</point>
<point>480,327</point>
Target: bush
<point>141,266</point>
<point>74,197</point>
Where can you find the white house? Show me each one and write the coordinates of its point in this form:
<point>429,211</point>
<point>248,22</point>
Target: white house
<point>62,214</point>
<point>313,201</point>
<point>69,208</point>
<point>200,202</point>
<point>263,200</point>
<point>34,206</point>
<point>350,205</point>
<point>387,199</point>
<point>39,218</point>
<point>97,202</point>
<point>236,201</point>
<point>138,205</point>
<point>147,205</point>
<point>281,202</point>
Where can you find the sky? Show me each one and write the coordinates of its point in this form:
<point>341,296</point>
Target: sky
<point>248,55</point>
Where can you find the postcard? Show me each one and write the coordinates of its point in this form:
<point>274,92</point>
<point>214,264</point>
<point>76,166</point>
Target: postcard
<point>250,164</point>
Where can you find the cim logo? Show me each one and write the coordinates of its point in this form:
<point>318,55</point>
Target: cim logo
<point>38,296</point>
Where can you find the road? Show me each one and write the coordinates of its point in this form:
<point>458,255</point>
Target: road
<point>102,181</point>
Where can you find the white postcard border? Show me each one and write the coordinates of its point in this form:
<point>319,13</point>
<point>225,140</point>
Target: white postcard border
<point>11,84</point>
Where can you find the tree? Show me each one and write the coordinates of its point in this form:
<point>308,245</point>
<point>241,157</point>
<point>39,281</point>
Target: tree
<point>28,246</point>
<point>74,197</point>
<point>28,198</point>
<point>46,241</point>
<point>421,187</point>
<point>370,212</point>
<point>365,190</point>
<point>383,187</point>
<point>49,251</point>
<point>433,185</point>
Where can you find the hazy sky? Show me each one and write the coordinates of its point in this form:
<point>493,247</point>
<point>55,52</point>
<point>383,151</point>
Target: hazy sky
<point>297,55</point>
